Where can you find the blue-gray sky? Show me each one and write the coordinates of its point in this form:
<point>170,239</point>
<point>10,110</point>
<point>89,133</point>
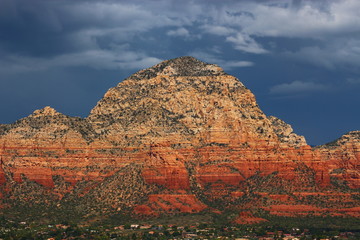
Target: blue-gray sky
<point>300,58</point>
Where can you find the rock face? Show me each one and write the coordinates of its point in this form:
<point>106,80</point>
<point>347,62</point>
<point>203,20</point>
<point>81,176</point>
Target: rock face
<point>181,136</point>
<point>285,133</point>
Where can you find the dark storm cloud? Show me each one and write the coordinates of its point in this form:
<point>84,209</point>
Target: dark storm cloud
<point>33,27</point>
<point>54,33</point>
<point>57,31</point>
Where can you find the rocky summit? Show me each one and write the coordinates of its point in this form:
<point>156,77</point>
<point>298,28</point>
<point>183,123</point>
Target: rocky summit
<point>180,137</point>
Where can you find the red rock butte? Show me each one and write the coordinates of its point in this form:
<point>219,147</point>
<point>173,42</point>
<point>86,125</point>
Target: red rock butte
<point>180,137</point>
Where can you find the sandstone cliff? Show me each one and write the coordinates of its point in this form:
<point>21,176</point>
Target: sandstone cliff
<point>181,136</point>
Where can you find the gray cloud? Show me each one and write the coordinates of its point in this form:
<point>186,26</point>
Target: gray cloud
<point>308,19</point>
<point>298,87</point>
<point>327,23</point>
<point>38,35</point>
<point>353,81</point>
<point>180,32</point>
<point>245,43</point>
<point>225,64</point>
<point>57,30</point>
<point>96,59</point>
<point>341,52</point>
<point>218,30</point>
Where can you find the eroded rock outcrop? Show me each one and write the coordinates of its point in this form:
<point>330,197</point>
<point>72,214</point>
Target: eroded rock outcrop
<point>181,136</point>
<point>285,133</point>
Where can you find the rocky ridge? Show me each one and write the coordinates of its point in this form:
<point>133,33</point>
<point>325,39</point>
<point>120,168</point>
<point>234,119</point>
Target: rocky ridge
<point>285,132</point>
<point>181,136</point>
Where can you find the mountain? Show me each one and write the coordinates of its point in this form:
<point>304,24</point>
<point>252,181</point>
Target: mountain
<point>180,137</point>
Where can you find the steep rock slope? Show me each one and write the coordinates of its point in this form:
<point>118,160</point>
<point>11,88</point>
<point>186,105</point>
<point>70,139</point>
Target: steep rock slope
<point>183,98</point>
<point>181,136</point>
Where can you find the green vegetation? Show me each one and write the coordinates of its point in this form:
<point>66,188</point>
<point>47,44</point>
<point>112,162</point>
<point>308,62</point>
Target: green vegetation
<point>276,228</point>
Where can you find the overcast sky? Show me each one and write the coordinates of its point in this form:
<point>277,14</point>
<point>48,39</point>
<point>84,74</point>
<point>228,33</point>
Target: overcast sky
<point>300,58</point>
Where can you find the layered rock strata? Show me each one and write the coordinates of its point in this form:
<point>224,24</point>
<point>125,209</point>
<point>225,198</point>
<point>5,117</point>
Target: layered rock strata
<point>181,136</point>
